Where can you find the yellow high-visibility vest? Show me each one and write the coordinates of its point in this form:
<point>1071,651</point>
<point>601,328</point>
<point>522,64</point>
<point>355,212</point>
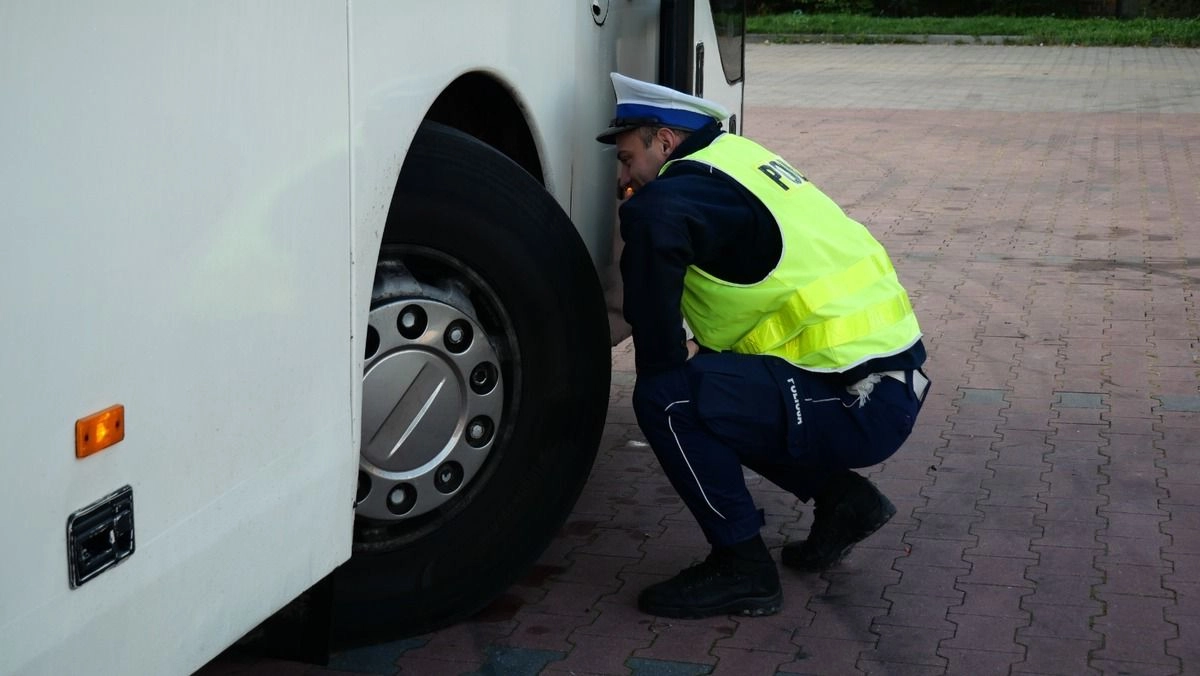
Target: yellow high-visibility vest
<point>832,301</point>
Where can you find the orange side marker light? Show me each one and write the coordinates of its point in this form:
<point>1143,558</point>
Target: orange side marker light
<point>98,431</point>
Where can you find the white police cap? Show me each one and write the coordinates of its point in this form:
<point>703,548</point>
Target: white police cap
<point>642,104</point>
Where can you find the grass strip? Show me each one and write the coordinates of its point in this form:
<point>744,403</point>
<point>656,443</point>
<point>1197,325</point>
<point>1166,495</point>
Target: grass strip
<point>1020,30</point>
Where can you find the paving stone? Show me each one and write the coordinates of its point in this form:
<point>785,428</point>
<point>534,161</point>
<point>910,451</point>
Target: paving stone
<point>1079,400</point>
<point>543,631</point>
<point>1072,589</point>
<point>836,621</point>
<point>910,610</point>
<point>1089,435</point>
<point>898,669</point>
<point>908,645</point>
<point>1187,646</point>
<point>467,637</point>
<point>380,658</point>
<point>587,568</point>
<point>686,640</point>
<point>1148,644</point>
<point>825,656</point>
<point>1065,560</point>
<point>985,632</point>
<point>1179,402</point>
<point>997,570</point>
<point>982,662</point>
<point>1060,621</point>
<point>614,617</point>
<point>1128,524</point>
<point>1055,656</point>
<point>1005,543</point>
<point>1005,518</point>
<point>957,504</point>
<point>934,582</point>
<point>1136,580</point>
<point>516,661</point>
<point>1078,510</point>
<point>652,667</point>
<point>1133,551</point>
<point>856,588</point>
<point>1139,668</point>
<point>982,396</point>
<point>991,600</point>
<point>944,527</point>
<point>740,661</point>
<point>438,667</point>
<point>772,634</point>
<point>607,656</point>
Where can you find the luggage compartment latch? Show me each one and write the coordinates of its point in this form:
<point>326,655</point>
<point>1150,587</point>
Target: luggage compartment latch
<point>100,536</point>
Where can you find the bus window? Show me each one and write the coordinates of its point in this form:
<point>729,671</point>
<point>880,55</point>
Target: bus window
<point>729,20</point>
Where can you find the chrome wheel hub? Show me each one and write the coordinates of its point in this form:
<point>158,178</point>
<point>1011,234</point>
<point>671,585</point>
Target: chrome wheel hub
<point>433,397</point>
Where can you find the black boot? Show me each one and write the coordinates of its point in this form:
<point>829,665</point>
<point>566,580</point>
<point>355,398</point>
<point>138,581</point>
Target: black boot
<point>740,579</point>
<point>848,509</point>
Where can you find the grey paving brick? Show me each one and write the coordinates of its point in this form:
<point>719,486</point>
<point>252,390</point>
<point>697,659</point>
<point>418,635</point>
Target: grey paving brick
<point>379,658</point>
<point>516,661</point>
<point>686,640</point>
<point>1140,668</point>
<point>1050,620</point>
<point>651,667</point>
<point>898,669</point>
<point>1080,400</point>
<point>1148,645</point>
<point>908,645</point>
<point>1055,656</point>
<point>966,661</point>
<point>740,661</point>
<point>983,396</point>
<point>815,655</point>
<point>997,570</point>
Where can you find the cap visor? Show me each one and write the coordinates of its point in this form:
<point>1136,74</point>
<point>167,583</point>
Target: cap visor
<point>610,135</point>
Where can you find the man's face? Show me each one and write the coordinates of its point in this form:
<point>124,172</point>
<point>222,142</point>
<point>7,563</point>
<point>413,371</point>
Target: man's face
<point>639,163</point>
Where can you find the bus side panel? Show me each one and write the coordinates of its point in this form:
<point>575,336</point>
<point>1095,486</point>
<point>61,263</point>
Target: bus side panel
<point>177,240</point>
<point>402,61</point>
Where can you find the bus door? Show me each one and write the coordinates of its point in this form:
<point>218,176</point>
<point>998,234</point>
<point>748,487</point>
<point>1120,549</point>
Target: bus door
<point>702,51</point>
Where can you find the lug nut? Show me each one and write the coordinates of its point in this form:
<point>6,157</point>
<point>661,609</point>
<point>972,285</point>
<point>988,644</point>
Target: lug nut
<point>448,477</point>
<point>458,336</point>
<point>479,431</point>
<point>401,499</point>
<point>412,322</point>
<point>483,378</point>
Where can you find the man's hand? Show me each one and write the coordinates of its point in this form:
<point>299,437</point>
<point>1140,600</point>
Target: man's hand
<point>693,348</point>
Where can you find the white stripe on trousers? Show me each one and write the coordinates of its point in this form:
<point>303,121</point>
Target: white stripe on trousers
<point>671,425</point>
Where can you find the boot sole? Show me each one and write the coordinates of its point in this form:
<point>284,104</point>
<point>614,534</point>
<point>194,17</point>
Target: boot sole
<point>751,607</point>
<point>888,511</point>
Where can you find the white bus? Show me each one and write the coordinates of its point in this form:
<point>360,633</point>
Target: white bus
<point>295,286</point>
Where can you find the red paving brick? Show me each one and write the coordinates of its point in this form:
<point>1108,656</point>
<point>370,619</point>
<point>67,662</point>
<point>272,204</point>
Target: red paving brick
<point>1040,206</point>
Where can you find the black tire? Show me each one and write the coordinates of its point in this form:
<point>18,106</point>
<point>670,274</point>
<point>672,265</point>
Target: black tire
<point>466,218</point>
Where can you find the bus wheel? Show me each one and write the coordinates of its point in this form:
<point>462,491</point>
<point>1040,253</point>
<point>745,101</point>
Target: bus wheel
<point>485,390</point>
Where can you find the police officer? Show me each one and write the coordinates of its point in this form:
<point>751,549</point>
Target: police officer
<point>806,358</point>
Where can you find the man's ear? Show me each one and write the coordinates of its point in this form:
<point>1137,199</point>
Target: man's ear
<point>668,139</point>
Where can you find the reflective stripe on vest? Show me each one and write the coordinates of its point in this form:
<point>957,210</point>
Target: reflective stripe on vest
<point>833,300</point>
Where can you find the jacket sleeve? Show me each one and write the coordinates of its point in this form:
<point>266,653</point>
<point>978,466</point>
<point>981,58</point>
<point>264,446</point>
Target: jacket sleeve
<point>665,231</point>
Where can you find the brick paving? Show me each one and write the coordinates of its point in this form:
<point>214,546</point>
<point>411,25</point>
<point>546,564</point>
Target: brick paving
<point>1041,204</point>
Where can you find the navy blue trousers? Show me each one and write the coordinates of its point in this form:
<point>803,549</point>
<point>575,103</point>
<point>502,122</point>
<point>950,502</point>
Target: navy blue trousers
<point>720,412</point>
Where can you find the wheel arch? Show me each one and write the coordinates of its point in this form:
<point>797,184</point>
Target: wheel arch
<point>480,104</point>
